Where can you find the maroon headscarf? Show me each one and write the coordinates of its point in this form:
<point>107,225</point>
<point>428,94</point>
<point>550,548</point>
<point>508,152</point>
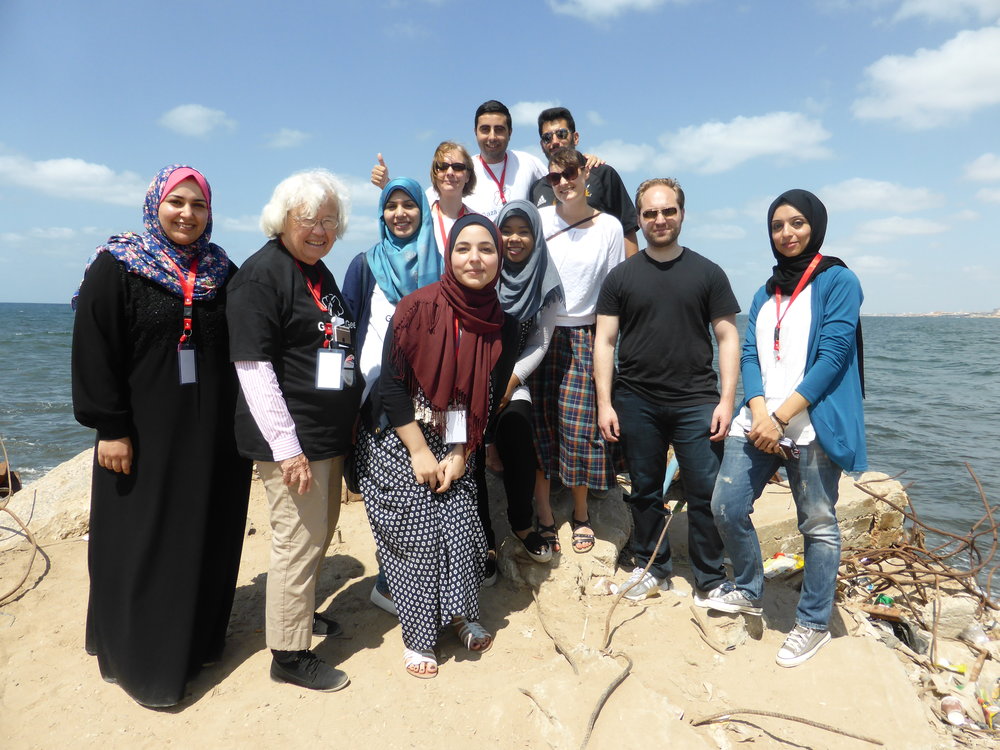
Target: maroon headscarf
<point>424,338</point>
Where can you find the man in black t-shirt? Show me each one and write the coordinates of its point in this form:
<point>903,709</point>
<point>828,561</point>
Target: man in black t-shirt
<point>605,190</point>
<point>663,302</point>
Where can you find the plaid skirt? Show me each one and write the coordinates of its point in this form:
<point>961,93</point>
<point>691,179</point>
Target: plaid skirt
<point>568,441</point>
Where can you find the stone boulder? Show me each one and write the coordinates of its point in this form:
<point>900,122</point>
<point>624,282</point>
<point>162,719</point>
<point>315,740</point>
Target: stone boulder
<point>57,506</point>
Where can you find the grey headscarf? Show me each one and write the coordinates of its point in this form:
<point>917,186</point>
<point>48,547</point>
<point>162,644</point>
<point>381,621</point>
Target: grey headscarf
<point>527,286</point>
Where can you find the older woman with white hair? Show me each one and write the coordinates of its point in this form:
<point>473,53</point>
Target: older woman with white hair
<point>292,341</point>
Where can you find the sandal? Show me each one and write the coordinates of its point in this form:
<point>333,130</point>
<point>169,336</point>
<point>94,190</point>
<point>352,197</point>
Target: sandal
<point>583,541</point>
<point>472,635</point>
<point>421,664</point>
<point>551,536</point>
<point>536,545</point>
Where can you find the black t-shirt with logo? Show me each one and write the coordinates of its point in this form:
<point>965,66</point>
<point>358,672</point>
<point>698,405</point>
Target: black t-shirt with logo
<point>664,314</point>
<point>274,318</point>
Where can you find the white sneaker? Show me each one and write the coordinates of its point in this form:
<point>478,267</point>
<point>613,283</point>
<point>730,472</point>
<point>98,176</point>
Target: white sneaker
<point>645,585</point>
<point>800,645</point>
<point>726,598</point>
<point>383,602</point>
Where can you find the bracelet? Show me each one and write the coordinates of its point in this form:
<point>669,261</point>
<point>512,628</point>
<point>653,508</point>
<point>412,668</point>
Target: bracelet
<point>779,420</point>
<point>778,425</point>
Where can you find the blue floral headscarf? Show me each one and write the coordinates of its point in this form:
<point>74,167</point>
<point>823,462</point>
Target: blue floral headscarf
<point>403,266</point>
<point>150,254</point>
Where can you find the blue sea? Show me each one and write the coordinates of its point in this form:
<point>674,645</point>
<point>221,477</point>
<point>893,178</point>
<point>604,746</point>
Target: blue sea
<point>933,388</point>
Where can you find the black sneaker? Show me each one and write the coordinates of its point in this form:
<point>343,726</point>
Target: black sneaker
<point>492,573</point>
<point>324,627</point>
<point>305,669</point>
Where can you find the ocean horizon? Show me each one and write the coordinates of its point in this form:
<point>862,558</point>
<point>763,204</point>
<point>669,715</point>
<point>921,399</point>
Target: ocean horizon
<point>927,379</point>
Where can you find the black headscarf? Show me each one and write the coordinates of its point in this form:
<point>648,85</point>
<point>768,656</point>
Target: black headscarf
<point>786,274</point>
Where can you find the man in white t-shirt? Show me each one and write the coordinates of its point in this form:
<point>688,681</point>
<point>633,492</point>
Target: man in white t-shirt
<point>501,174</point>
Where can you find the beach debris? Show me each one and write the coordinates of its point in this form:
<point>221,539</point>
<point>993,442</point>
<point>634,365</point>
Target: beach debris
<point>10,480</point>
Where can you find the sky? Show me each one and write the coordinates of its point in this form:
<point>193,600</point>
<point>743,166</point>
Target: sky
<point>889,110</point>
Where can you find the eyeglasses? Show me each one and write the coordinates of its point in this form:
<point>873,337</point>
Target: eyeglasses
<point>328,225</point>
<point>650,214</point>
<point>562,134</point>
<point>458,166</point>
<point>570,173</point>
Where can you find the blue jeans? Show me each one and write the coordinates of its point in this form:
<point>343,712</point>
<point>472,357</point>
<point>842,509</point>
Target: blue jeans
<point>814,480</point>
<point>646,431</point>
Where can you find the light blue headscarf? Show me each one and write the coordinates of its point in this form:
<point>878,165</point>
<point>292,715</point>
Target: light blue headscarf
<point>403,266</point>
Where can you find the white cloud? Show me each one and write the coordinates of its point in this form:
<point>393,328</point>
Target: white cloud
<point>364,232</point>
<point>73,179</point>
<point>873,264</point>
<point>54,234</point>
<point>949,10</point>
<point>989,195</point>
<point>245,223</point>
<point>720,146</point>
<point>933,87</point>
<point>882,230</point>
<point>597,10</point>
<point>716,232</point>
<point>288,138</point>
<point>361,190</point>
<point>196,120</point>
<point>985,168</point>
<point>526,114</point>
<point>966,215</point>
<point>859,194</point>
<point>624,157</point>
<point>594,118</point>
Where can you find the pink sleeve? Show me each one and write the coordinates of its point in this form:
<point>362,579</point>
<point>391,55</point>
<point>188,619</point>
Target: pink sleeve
<point>268,407</point>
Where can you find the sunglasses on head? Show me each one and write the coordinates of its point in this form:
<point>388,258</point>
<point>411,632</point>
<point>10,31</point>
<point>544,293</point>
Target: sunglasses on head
<point>442,166</point>
<point>562,134</point>
<point>570,173</point>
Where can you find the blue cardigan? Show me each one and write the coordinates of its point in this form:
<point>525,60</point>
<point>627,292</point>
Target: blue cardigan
<point>832,381</point>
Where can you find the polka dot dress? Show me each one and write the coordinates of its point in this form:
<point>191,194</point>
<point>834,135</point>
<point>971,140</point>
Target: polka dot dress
<point>431,547</point>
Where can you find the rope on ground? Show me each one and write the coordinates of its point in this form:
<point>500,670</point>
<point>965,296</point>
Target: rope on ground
<point>618,680</point>
<point>27,532</point>
<point>622,592</point>
<point>788,717</point>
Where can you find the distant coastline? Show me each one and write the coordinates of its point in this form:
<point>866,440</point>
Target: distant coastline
<point>994,314</point>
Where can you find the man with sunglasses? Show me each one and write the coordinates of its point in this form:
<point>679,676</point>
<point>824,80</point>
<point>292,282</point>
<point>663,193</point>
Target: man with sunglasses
<point>605,190</point>
<point>663,301</point>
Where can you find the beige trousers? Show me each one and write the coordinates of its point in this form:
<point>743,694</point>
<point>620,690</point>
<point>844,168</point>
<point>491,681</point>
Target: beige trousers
<point>301,529</point>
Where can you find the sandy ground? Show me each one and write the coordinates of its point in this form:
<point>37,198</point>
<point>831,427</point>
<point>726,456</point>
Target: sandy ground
<point>521,694</point>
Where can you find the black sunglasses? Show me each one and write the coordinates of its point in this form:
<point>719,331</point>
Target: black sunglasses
<point>561,134</point>
<point>650,214</point>
<point>570,173</point>
<point>442,166</point>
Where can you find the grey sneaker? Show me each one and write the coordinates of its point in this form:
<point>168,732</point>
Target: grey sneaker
<point>800,645</point>
<point>645,585</point>
<point>726,598</point>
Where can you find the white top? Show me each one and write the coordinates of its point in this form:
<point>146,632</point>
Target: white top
<point>583,256</point>
<point>378,323</point>
<point>782,376</point>
<point>534,349</point>
<point>522,171</point>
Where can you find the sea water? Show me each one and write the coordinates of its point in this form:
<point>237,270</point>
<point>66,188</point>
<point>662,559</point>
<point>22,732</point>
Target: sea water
<point>933,392</point>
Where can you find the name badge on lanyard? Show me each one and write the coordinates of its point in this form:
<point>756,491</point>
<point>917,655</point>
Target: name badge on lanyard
<point>334,364</point>
<point>187,370</point>
<point>455,430</point>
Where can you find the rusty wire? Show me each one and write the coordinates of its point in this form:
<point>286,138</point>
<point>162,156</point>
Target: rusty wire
<point>915,573</point>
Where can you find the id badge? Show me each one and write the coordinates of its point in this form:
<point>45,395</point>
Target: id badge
<point>186,368</point>
<point>329,369</point>
<point>454,431</point>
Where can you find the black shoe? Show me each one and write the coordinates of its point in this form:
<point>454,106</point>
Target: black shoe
<point>491,569</point>
<point>323,626</point>
<point>305,669</point>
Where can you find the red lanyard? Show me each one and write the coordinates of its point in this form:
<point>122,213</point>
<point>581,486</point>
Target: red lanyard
<point>316,290</point>
<point>440,218</point>
<point>187,289</point>
<point>777,301</point>
<point>503,176</point>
